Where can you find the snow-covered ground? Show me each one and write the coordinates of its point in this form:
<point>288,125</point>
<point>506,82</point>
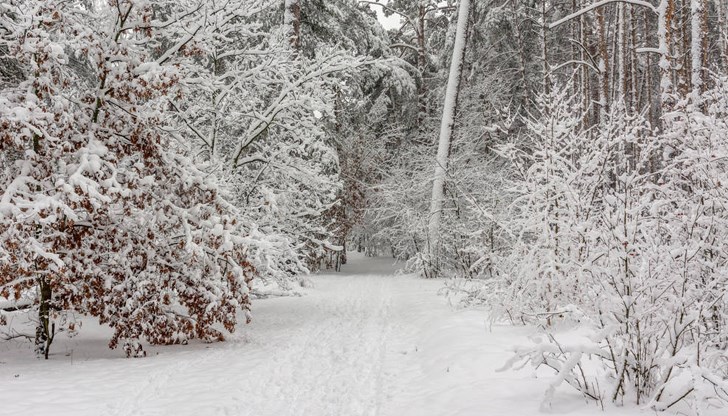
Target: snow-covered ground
<point>362,342</point>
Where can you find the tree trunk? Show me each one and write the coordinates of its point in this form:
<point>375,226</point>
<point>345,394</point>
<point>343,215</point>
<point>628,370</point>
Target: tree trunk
<point>603,62</point>
<point>292,20</point>
<point>697,47</point>
<point>721,11</point>
<point>421,66</point>
<point>635,92</point>
<point>544,52</point>
<point>622,89</point>
<point>666,11</point>
<point>446,130</point>
<point>682,49</point>
<point>586,92</point>
<point>575,32</point>
<point>522,61</point>
<point>43,331</point>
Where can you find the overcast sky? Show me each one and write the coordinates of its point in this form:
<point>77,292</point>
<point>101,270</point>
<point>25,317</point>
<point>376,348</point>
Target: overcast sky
<point>391,22</point>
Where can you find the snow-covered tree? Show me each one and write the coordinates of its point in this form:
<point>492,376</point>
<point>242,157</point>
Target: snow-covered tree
<point>447,125</point>
<point>255,114</point>
<point>540,273</point>
<point>646,263</point>
<point>102,212</point>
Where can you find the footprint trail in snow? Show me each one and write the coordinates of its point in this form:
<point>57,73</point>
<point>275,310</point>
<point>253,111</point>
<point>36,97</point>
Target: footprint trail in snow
<point>363,342</point>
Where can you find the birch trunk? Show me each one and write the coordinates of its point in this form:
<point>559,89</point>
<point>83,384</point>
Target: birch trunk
<point>446,130</point>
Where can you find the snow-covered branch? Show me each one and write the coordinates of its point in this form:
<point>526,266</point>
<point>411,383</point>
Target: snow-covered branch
<point>598,4</point>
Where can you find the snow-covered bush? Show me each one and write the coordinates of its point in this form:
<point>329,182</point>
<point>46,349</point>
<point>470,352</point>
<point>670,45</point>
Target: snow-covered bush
<point>541,272</point>
<point>101,211</point>
<point>644,267</point>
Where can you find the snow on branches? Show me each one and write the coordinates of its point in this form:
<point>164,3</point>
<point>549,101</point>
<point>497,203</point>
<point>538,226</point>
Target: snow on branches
<point>101,212</point>
<point>627,237</point>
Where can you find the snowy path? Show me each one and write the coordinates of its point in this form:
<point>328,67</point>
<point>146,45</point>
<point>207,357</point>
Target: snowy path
<point>363,342</point>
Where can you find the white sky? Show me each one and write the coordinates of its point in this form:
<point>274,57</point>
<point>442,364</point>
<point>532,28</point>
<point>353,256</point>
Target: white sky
<point>391,22</point>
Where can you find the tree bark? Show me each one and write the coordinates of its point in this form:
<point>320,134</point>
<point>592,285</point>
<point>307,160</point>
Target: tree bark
<point>544,52</point>
<point>421,65</point>
<point>720,8</point>
<point>666,11</point>
<point>292,20</point>
<point>603,62</point>
<point>43,331</point>
<point>446,130</point>
<point>698,44</point>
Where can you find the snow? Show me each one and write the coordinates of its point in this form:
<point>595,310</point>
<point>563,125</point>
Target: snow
<point>362,342</point>
<point>598,4</point>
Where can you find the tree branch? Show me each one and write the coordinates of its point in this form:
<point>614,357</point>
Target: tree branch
<point>395,11</point>
<point>600,4</point>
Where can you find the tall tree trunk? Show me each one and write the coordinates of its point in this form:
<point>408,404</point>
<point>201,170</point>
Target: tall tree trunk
<point>697,47</point>
<point>666,11</point>
<point>683,49</point>
<point>651,100</point>
<point>576,82</point>
<point>586,91</point>
<point>635,91</point>
<point>421,65</point>
<point>446,130</point>
<point>603,61</point>
<point>522,61</point>
<point>722,11</point>
<point>622,89</point>
<point>544,51</point>
<point>292,20</point>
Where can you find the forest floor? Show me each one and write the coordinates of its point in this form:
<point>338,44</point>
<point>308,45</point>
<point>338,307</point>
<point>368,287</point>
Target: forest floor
<point>361,342</point>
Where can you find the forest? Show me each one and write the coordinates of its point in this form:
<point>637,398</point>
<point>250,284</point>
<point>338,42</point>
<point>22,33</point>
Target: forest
<point>554,163</point>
